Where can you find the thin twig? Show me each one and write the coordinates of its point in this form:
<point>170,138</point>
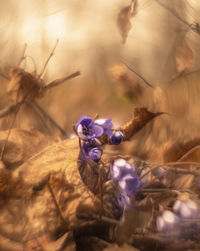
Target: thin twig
<point>38,113</point>
<point>100,183</point>
<point>94,217</point>
<point>47,116</point>
<point>187,154</point>
<point>23,53</point>
<point>9,130</point>
<point>173,12</point>
<point>2,74</point>
<point>171,164</point>
<point>55,201</point>
<point>32,59</point>
<point>61,80</point>
<point>146,82</point>
<point>48,59</point>
<point>7,110</point>
<point>161,190</point>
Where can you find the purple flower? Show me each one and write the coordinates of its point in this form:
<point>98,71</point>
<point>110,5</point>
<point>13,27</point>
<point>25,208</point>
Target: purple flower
<point>87,129</point>
<point>106,124</point>
<point>167,222</point>
<point>123,200</point>
<point>121,167</point>
<point>95,154</point>
<point>129,184</point>
<point>186,208</point>
<point>116,138</point>
<point>91,149</point>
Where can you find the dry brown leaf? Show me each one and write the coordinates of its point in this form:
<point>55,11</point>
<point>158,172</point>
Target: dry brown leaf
<point>22,145</point>
<point>141,117</point>
<point>22,85</point>
<point>123,19</point>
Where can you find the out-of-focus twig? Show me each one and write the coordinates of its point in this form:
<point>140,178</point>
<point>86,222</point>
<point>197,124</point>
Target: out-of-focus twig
<point>61,80</point>
<point>23,55</point>
<point>55,201</point>
<point>48,59</point>
<point>146,82</point>
<point>48,117</point>
<point>187,154</point>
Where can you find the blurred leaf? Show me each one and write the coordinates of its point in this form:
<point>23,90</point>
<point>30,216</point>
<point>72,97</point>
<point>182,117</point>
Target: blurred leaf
<point>126,85</point>
<point>22,145</point>
<point>123,19</point>
<point>184,56</point>
<point>22,85</point>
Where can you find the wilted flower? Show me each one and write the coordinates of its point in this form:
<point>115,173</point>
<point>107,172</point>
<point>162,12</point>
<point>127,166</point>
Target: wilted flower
<point>167,222</point>
<point>95,154</point>
<point>121,167</point>
<point>106,124</point>
<point>129,183</point>
<point>186,208</point>
<point>160,173</point>
<point>87,129</point>
<point>116,138</point>
<point>123,200</point>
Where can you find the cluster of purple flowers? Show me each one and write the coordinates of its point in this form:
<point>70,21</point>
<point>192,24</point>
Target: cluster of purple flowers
<point>90,130</point>
<point>128,181</point>
<point>184,211</point>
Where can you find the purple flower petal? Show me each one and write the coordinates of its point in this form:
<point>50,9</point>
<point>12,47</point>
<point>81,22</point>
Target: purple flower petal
<point>121,167</point>
<point>186,208</point>
<point>98,130</point>
<point>95,154</point>
<point>167,222</point>
<point>87,129</point>
<point>106,124</point>
<point>129,184</point>
<point>116,138</point>
<point>123,200</point>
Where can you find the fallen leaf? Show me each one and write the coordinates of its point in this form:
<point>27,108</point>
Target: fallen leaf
<point>123,19</point>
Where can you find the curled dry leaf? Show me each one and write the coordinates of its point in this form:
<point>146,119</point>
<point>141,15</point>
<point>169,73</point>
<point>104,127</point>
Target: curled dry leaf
<point>22,85</point>
<point>123,19</point>
<point>141,117</point>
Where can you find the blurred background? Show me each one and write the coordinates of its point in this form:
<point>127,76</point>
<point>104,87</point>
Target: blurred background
<point>162,46</point>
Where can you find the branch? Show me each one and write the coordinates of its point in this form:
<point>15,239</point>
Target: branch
<point>47,116</point>
<point>174,13</point>
<point>23,53</point>
<point>48,59</point>
<point>146,82</point>
<point>61,80</point>
<point>7,110</point>
<point>55,201</point>
<point>2,74</point>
